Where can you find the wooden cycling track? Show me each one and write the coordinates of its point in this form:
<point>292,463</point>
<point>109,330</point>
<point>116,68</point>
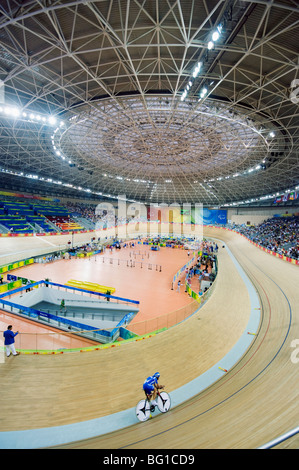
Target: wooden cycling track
<point>254,402</point>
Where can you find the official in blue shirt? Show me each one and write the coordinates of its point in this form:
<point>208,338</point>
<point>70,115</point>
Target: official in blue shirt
<point>9,340</point>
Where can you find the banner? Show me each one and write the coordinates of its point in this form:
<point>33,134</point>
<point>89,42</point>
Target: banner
<point>287,197</point>
<point>214,216</point>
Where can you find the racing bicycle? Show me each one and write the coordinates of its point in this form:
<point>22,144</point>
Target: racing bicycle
<point>144,408</point>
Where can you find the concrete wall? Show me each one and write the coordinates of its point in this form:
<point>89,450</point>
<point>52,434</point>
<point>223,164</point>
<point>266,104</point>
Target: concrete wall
<point>257,215</point>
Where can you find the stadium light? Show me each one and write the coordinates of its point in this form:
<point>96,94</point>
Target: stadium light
<point>17,112</point>
<point>215,36</point>
<point>197,69</point>
<point>52,120</point>
<point>203,92</point>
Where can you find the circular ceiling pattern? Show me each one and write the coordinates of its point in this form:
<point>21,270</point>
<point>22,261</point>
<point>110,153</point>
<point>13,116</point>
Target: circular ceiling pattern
<point>161,101</point>
<point>160,142</point>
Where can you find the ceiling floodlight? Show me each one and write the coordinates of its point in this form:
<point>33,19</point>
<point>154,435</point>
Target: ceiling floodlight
<point>203,92</point>
<point>215,36</point>
<point>197,69</point>
<point>210,45</point>
<point>11,111</point>
<point>272,134</point>
<point>15,112</point>
<point>52,120</point>
<point>184,95</point>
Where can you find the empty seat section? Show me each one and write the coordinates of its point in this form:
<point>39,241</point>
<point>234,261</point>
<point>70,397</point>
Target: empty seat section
<point>40,223</point>
<point>15,223</point>
<point>58,215</point>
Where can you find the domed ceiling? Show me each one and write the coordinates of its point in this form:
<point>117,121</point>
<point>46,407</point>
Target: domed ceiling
<point>159,102</point>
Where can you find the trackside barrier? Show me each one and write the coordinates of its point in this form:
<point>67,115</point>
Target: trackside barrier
<point>280,439</point>
<point>99,335</point>
<point>16,265</point>
<point>183,269</point>
<point>98,347</point>
<point>99,294</point>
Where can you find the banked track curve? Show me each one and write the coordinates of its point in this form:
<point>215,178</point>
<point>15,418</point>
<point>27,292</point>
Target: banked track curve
<point>257,399</point>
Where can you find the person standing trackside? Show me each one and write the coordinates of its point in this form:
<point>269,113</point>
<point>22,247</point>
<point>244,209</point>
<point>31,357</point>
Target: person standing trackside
<point>62,305</point>
<point>9,339</point>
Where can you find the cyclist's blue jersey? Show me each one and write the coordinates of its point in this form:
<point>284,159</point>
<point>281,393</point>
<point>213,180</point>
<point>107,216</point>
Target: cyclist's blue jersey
<point>148,384</point>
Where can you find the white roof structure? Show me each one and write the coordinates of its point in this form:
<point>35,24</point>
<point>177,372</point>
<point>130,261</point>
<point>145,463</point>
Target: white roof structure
<point>163,101</point>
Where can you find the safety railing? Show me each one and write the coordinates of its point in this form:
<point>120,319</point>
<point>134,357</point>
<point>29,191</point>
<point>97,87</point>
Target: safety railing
<point>279,440</point>
<point>56,341</point>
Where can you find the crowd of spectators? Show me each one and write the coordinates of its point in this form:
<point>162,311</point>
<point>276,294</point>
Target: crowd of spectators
<point>278,234</point>
<point>83,210</point>
<point>100,217</point>
<point>204,269</point>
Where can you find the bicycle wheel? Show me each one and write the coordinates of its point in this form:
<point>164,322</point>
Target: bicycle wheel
<point>164,402</point>
<point>143,410</point>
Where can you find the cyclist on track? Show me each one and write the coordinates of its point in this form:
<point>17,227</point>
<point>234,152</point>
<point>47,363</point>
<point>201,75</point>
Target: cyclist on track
<point>151,387</point>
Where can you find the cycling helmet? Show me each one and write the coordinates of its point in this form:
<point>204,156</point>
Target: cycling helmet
<point>157,374</point>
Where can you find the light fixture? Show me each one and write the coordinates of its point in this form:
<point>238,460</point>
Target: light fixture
<point>215,36</point>
<point>203,92</point>
<point>197,69</point>
<point>52,120</point>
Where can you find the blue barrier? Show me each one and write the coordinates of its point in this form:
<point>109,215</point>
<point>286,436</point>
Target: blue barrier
<point>92,292</point>
<point>20,289</point>
<point>34,313</point>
